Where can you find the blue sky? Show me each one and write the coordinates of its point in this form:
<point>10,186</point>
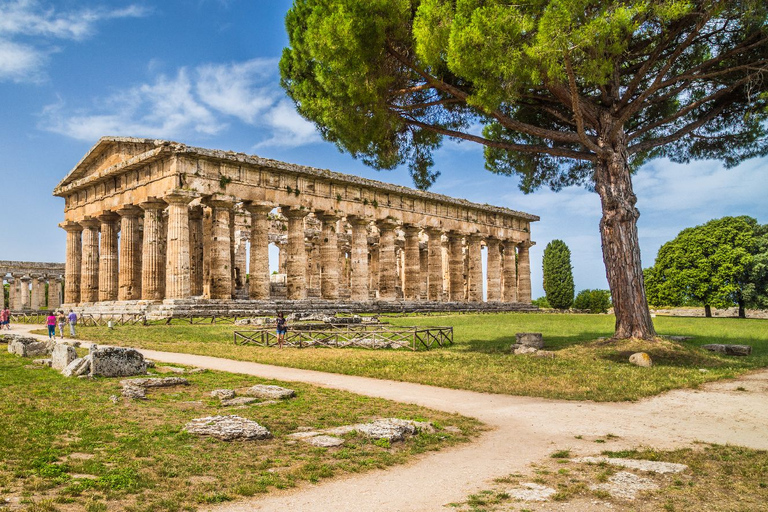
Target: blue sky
<point>205,73</point>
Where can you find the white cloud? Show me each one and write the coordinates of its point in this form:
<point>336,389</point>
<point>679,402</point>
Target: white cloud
<point>28,29</point>
<point>289,129</point>
<point>233,89</point>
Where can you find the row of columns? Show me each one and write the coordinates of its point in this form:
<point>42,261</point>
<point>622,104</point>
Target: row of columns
<point>27,292</point>
<point>175,256</point>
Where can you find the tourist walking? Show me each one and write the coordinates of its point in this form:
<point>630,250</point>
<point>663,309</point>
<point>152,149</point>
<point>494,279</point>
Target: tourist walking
<point>282,328</point>
<point>72,319</point>
<point>61,319</point>
<point>5,318</point>
<point>51,322</point>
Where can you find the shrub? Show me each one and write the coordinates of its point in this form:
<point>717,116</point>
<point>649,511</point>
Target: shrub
<point>541,302</point>
<point>594,301</point>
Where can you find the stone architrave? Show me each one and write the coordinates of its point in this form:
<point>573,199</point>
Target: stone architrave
<point>412,279</point>
<point>510,272</point>
<point>89,269</point>
<point>259,256</point>
<point>359,259</point>
<point>221,247</point>
<point>129,275</point>
<point>494,270</point>
<point>296,259</point>
<point>524,273</point>
<point>474,256</point>
<point>435,248</point>
<point>196,250</point>
<point>329,257</point>
<point>152,261</point>
<point>72,266</point>
<point>456,266</point>
<point>108,257</point>
<point>387,264</point>
<point>178,282</point>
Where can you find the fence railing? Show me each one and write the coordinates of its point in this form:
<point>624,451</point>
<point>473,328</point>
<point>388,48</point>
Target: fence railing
<point>370,337</point>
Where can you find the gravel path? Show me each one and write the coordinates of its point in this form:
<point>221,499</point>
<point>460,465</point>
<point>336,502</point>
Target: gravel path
<point>524,430</point>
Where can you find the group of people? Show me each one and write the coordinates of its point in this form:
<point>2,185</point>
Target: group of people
<point>5,319</point>
<point>60,319</point>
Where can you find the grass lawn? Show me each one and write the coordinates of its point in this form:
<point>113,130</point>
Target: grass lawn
<point>66,446</point>
<point>480,360</point>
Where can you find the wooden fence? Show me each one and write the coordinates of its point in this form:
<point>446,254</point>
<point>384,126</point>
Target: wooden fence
<point>361,336</point>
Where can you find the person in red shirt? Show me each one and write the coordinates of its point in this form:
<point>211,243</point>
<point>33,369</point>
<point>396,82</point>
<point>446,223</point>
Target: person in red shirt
<point>51,322</point>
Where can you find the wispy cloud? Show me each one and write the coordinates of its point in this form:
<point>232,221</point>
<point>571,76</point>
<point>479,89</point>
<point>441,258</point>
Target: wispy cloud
<point>204,100</point>
<point>30,30</point>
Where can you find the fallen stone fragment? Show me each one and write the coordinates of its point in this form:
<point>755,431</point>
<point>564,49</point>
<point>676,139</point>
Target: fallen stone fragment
<point>642,465</point>
<point>117,362</point>
<point>78,367</point>
<point>156,382</point>
<point>523,349</point>
<point>680,338</point>
<point>641,359</point>
<point>223,394</point>
<point>387,429</point>
<point>227,428</point>
<point>268,392</point>
<point>625,485</point>
<point>324,441</point>
<point>240,400</point>
<point>29,347</point>
<point>340,431</point>
<point>729,350</point>
<point>42,362</point>
<point>532,492</point>
<point>62,355</point>
<point>134,392</point>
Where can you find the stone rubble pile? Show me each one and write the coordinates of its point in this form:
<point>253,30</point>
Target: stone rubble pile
<point>228,428</point>
<point>26,346</point>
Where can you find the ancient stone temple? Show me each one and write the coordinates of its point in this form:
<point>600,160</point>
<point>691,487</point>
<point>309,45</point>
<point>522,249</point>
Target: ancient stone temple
<point>27,285</point>
<point>152,222</point>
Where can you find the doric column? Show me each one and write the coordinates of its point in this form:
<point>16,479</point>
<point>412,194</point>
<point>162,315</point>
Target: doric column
<point>412,264</point>
<point>54,293</point>
<point>259,257</point>
<point>524,273</point>
<point>510,272</point>
<point>296,259</point>
<point>34,298</point>
<point>359,256</point>
<point>25,298</point>
<point>423,271</point>
<point>373,267</point>
<point>129,276</point>
<point>13,292</point>
<point>475,258</point>
<point>108,257</point>
<point>387,262</point>
<point>152,260</point>
<point>196,246</point>
<point>221,250</point>
<point>435,249</point>
<point>456,266</point>
<point>178,279</point>
<point>89,268</point>
<point>494,270</point>
<point>329,257</point>
<point>72,266</point>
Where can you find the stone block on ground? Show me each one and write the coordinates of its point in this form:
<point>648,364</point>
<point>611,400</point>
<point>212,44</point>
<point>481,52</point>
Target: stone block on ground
<point>227,428</point>
<point>530,339</point>
<point>223,394</point>
<point>641,359</point>
<point>523,349</point>
<point>239,400</point>
<point>29,347</point>
<point>117,362</point>
<point>134,392</point>
<point>62,355</point>
<point>78,367</point>
<point>156,382</point>
<point>386,429</point>
<point>323,441</point>
<point>730,350</point>
<point>268,392</point>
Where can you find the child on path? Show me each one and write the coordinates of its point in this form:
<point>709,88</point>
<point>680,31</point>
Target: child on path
<point>51,322</point>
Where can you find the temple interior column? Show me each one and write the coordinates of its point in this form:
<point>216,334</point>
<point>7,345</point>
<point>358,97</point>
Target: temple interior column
<point>152,260</point>
<point>524,274</point>
<point>329,257</point>
<point>54,293</point>
<point>221,249</point>
<point>412,278</point>
<point>240,254</point>
<point>73,262</point>
<point>178,279</point>
<point>129,275</point>
<point>196,250</point>
<point>12,291</point>
<point>25,298</point>
<point>34,297</point>
<point>456,267</point>
<point>475,257</point>
<point>359,259</point>
<point>296,259</point>
<point>435,263</point>
<point>18,303</point>
<point>259,256</point>
<point>423,270</point>
<point>387,262</point>
<point>494,270</point>
<point>108,257</point>
<point>89,268</point>
<point>207,248</point>
<point>510,272</point>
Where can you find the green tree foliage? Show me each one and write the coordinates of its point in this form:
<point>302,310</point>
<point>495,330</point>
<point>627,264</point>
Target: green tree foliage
<point>558,275</point>
<point>567,92</point>
<point>594,301</point>
<point>718,264</point>
<point>541,302</point>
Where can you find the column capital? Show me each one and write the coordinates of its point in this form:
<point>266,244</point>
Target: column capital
<point>153,203</point>
<point>454,234</point>
<point>129,210</point>
<point>328,215</point>
<point>25,278</point>
<point>492,241</point>
<point>510,243</point>
<point>258,207</point>
<point>387,223</point>
<point>474,237</point>
<point>90,223</point>
<point>108,216</point>
<point>293,212</point>
<point>526,244</point>
<point>411,229</point>
<point>219,201</point>
<point>71,226</point>
<point>357,220</point>
<point>179,196</point>
<point>196,212</point>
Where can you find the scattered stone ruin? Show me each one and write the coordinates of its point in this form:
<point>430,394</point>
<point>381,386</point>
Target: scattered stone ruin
<point>156,222</point>
<point>27,281</point>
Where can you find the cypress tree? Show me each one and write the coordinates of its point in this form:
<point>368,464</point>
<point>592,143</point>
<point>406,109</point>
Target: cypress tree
<point>558,275</point>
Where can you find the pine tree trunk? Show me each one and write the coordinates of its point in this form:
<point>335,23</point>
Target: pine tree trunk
<point>742,309</point>
<point>621,247</point>
<point>707,311</point>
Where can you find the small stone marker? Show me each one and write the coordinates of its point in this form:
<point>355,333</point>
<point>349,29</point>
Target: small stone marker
<point>529,339</point>
<point>729,350</point>
<point>641,359</point>
<point>268,392</point>
<point>227,428</point>
<point>62,355</point>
